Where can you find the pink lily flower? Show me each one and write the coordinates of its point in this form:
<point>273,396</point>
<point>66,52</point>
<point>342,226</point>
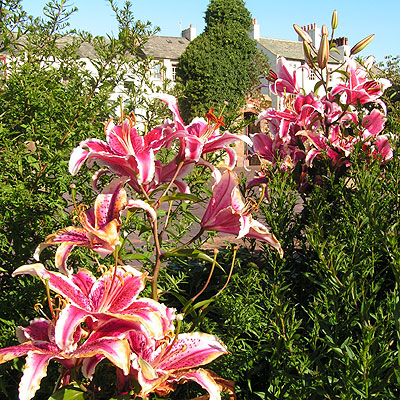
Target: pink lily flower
<point>286,81</point>
<point>172,360</point>
<point>38,343</point>
<point>100,225</point>
<point>113,295</point>
<point>228,213</point>
<point>359,88</point>
<point>373,123</point>
<point>200,136</point>
<point>281,123</point>
<point>383,148</point>
<point>126,153</point>
<point>273,149</point>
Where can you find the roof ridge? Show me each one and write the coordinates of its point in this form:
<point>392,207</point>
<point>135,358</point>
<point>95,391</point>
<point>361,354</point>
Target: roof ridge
<point>282,40</point>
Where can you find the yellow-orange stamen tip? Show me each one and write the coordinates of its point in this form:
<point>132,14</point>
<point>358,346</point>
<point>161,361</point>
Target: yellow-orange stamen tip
<point>133,118</point>
<point>106,125</point>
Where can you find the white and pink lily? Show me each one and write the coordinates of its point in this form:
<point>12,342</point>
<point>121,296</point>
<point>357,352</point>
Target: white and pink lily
<point>226,212</point>
<point>360,89</point>
<point>97,301</point>
<point>38,343</point>
<point>126,153</point>
<point>173,360</point>
<point>100,225</point>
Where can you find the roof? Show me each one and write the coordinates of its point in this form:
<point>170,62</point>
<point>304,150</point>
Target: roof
<point>165,47</point>
<point>289,49</point>
<point>159,47</point>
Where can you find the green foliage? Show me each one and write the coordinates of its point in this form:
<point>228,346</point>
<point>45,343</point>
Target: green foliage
<point>218,66</point>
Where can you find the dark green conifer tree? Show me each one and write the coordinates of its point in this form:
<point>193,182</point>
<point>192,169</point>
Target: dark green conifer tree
<point>218,65</point>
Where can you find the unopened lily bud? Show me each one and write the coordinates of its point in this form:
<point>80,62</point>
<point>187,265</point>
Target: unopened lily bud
<point>361,45</point>
<point>324,30</point>
<point>323,52</point>
<point>307,52</point>
<point>334,22</point>
<point>272,76</point>
<point>303,34</point>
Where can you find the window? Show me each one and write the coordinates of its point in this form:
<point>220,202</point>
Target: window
<point>330,74</point>
<point>156,71</point>
<point>173,73</point>
<point>312,75</point>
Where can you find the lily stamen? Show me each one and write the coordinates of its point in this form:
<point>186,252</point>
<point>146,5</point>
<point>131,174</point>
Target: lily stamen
<point>212,118</point>
<point>250,206</point>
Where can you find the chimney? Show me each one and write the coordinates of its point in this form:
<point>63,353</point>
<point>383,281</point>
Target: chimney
<point>342,45</point>
<point>315,34</point>
<point>189,33</point>
<point>254,32</point>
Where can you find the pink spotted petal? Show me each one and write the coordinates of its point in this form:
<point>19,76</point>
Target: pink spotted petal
<point>38,330</point>
<point>221,197</point>
<point>9,353</point>
<point>202,377</point>
<point>145,165</point>
<point>124,290</point>
<point>89,365</point>
<point>260,232</point>
<point>374,122</point>
<point>84,279</point>
<point>71,234</point>
<point>61,257</point>
<point>172,105</point>
<point>59,283</point>
<point>192,350</point>
<point>109,203</point>
<point>193,148</point>
<point>77,159</point>
<point>79,155</point>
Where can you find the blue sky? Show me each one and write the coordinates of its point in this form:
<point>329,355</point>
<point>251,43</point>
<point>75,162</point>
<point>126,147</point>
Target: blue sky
<point>357,19</point>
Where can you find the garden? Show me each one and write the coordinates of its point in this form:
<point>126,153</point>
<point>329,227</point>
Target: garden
<point>107,288</point>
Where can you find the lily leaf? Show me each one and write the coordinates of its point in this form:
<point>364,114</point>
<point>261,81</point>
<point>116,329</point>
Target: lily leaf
<point>180,197</point>
<point>203,303</point>
<point>136,257</point>
<point>317,86</point>
<point>69,392</point>
<point>192,253</point>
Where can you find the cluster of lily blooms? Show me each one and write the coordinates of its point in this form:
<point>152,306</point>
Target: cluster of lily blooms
<point>328,127</point>
<point>103,318</point>
<point>93,319</point>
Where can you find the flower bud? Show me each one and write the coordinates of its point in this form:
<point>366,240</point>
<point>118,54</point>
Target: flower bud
<point>323,52</point>
<point>324,30</point>
<point>272,76</point>
<point>302,33</point>
<point>334,22</point>
<point>361,45</point>
<point>307,52</point>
